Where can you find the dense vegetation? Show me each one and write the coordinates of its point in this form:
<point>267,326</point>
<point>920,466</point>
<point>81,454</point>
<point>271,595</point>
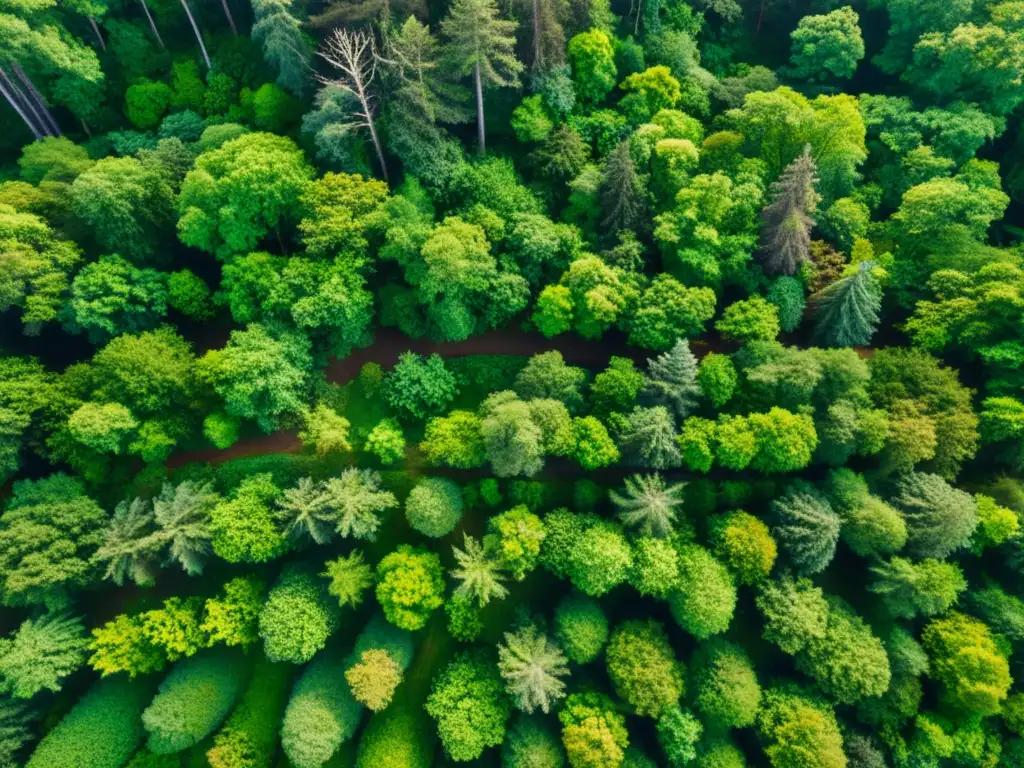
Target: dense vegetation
<point>564,382</point>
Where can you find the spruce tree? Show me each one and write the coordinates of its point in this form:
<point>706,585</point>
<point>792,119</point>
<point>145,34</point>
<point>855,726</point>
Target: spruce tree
<point>14,731</point>
<point>672,379</point>
<point>648,439</point>
<point>649,504</point>
<point>621,192</point>
<point>532,666</point>
<point>807,528</point>
<point>481,44</point>
<point>787,222</point>
<point>848,310</point>
<point>41,653</point>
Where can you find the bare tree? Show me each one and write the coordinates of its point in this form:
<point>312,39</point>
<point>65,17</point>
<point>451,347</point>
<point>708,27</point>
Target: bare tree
<point>152,25</point>
<point>199,37</point>
<point>354,54</point>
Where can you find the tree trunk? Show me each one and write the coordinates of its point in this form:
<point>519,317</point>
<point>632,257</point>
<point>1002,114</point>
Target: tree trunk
<point>10,93</point>
<point>482,148</point>
<point>537,63</point>
<point>231,19</point>
<point>199,37</point>
<point>96,31</point>
<point>48,120</point>
<point>152,26</point>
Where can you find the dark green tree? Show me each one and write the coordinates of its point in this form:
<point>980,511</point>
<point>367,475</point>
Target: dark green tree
<point>847,311</point>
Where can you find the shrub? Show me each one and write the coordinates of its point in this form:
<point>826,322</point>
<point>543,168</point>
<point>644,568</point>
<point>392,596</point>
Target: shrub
<point>146,102</point>
<point>643,668</point>
<point>593,731</point>
<point>678,733</point>
<point>581,627</point>
<point>419,387</point>
<point>193,700</point>
<point>531,744</point>
<point>515,538</point>
<point>434,507</point>
<point>249,737</point>
<point>386,441</point>
<point>298,616</point>
<point>655,568</point>
<point>102,730</point>
<point>321,714</point>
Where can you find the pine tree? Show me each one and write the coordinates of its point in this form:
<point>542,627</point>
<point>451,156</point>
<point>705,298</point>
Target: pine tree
<point>348,578</point>
<point>305,515</point>
<point>807,529</point>
<point>481,44</point>
<point>648,438</point>
<point>479,575</point>
<point>129,550</point>
<point>672,379</point>
<point>41,654</point>
<point>182,515</point>
<point>787,221</point>
<point>14,732</point>
<point>356,501</point>
<point>413,62</point>
<point>532,666</point>
<point>621,193</point>
<point>848,310</point>
<point>285,47</point>
<point>649,504</point>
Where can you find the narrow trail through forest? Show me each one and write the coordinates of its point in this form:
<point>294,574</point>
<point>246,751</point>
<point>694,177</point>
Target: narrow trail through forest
<point>389,344</point>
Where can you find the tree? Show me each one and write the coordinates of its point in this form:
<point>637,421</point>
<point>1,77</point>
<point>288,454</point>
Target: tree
<point>298,616</point>
<point>798,729</point>
<point>321,713</point>
<point>40,654</point>
<point>419,387</point>
<point>744,544</point>
<point>48,533</point>
<point>592,58</point>
<point>581,627</point>
<point>111,296</point>
<point>622,196</point>
<point>478,573</point>
<point>787,220</point>
<point>617,387</point>
<point>783,441</point>
<point>593,731</point>
<point>285,47</point>
<point>410,586</point>
<point>724,684</point>
<point>648,92</point>
<point>349,578</point>
<point>655,568</point>
<point>182,516</point>
<point>968,662</point>
<point>260,375</point>
<point>480,43</point>
<point>649,504</point>
<point>600,559</point>
<point>752,319</point>
<point>830,44</point>
<point>532,667</point>
<point>102,728</point>
<point>940,519</point>
<point>794,610</point>
<point>234,618</point>
<point>672,379</point>
<point>512,439</point>
<point>326,430</point>
<point>705,596</point>
<point>848,309</point>
<point>678,734</point>
<point>717,378</point>
<point>643,668</point>
<point>240,192</point>
<point>242,527</point>
<point>468,702</point>
<point>514,538</point>
<point>907,588</point>
<point>386,441</point>
<point>193,700</point>
<point>434,507</point>
<point>530,743</point>
<point>870,526</point>
<point>807,528</point>
<point>454,440</point>
<point>648,438</point>
<point>353,53</point>
<point>546,376</point>
<point>787,294</point>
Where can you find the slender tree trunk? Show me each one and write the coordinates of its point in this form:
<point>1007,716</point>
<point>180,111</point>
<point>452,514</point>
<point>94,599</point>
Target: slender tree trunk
<point>760,17</point>
<point>639,10</point>
<point>536,35</point>
<point>152,26</point>
<point>481,138</point>
<point>13,100</point>
<point>48,120</point>
<point>27,103</point>
<point>231,19</point>
<point>380,150</point>
<point>85,127</point>
<point>96,31</point>
<point>195,28</point>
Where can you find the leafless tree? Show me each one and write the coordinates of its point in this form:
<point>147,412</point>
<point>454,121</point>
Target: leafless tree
<point>354,54</point>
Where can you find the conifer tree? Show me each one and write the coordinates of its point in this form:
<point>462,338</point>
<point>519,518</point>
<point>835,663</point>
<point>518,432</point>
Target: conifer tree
<point>14,732</point>
<point>40,654</point>
<point>672,379</point>
<point>481,44</point>
<point>648,438</point>
<point>284,44</point>
<point>421,94</point>
<point>129,550</point>
<point>848,310</point>
<point>787,222</point>
<point>649,504</point>
<point>807,528</point>
<point>621,193</point>
<point>532,667</point>
<point>479,575</point>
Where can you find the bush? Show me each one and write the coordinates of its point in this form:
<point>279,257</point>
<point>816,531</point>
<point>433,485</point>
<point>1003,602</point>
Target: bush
<point>581,627</point>
<point>434,507</point>
<point>193,700</point>
<point>643,668</point>
<point>515,538</point>
<point>601,559</point>
<point>743,543</point>
<point>102,730</point>
<point>655,567</point>
<point>321,714</point>
<point>386,441</point>
<point>249,737</point>
<point>298,616</point>
<point>419,387</point>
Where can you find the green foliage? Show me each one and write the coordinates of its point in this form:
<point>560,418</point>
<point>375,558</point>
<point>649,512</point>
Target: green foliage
<point>409,586</point>
<point>193,700</point>
<point>825,45</point>
<point>966,659</point>
<point>514,538</point>
<point>478,573</point>
<point>617,387</point>
<point>928,588</point>
<point>649,504</point>
<point>600,559</point>
<point>434,507</point>
<point>102,730</point>
<point>531,744</point>
<point>593,65</point>
<point>234,618</point>
<point>940,519</point>
<point>348,578</point>
<point>678,734</point>
<point>751,319</point>
<point>705,597</point>
<point>593,732</point>
<point>581,627</point>
<point>40,653</point>
<point>794,611</point>
<point>643,668</point>
<point>799,730</point>
<point>717,378</point>
<point>386,441</point>
<point>848,309</point>
<point>455,440</point>
<point>242,526</point>
<point>420,387</point>
<point>744,544</point>
<point>723,684</point>
<point>655,567</point>
<point>325,430</point>
<point>468,702</point>
<point>807,528</point>
<point>532,667</point>
<point>298,617</point>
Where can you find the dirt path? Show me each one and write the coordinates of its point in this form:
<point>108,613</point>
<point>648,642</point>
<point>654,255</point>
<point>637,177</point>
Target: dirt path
<point>389,344</point>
